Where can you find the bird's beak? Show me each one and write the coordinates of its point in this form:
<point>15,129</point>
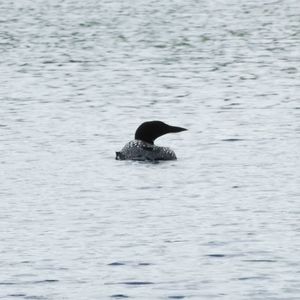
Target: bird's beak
<point>177,129</point>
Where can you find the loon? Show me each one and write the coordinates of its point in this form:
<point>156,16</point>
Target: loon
<point>143,148</point>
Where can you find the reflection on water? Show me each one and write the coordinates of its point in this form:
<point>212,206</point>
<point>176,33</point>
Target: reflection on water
<point>76,81</point>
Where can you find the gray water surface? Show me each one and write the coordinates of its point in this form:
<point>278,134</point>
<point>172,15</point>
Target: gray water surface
<point>221,222</point>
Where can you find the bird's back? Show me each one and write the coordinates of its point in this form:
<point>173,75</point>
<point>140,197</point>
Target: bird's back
<point>139,150</point>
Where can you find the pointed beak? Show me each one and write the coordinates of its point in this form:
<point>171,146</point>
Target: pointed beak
<point>176,129</point>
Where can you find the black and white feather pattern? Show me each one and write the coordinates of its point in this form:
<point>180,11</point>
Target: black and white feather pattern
<point>139,150</point>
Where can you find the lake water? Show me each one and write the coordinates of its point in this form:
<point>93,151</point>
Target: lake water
<point>221,222</point>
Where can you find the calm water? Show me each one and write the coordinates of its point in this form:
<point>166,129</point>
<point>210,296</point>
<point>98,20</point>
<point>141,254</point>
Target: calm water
<point>77,78</point>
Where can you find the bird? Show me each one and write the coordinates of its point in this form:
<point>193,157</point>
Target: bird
<point>142,148</point>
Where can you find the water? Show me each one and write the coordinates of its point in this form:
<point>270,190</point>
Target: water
<point>77,78</point>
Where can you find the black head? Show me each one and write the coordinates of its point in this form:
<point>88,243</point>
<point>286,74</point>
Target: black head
<point>149,131</point>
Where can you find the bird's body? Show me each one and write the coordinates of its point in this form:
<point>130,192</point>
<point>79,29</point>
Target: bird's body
<point>140,150</point>
<point>143,148</point>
